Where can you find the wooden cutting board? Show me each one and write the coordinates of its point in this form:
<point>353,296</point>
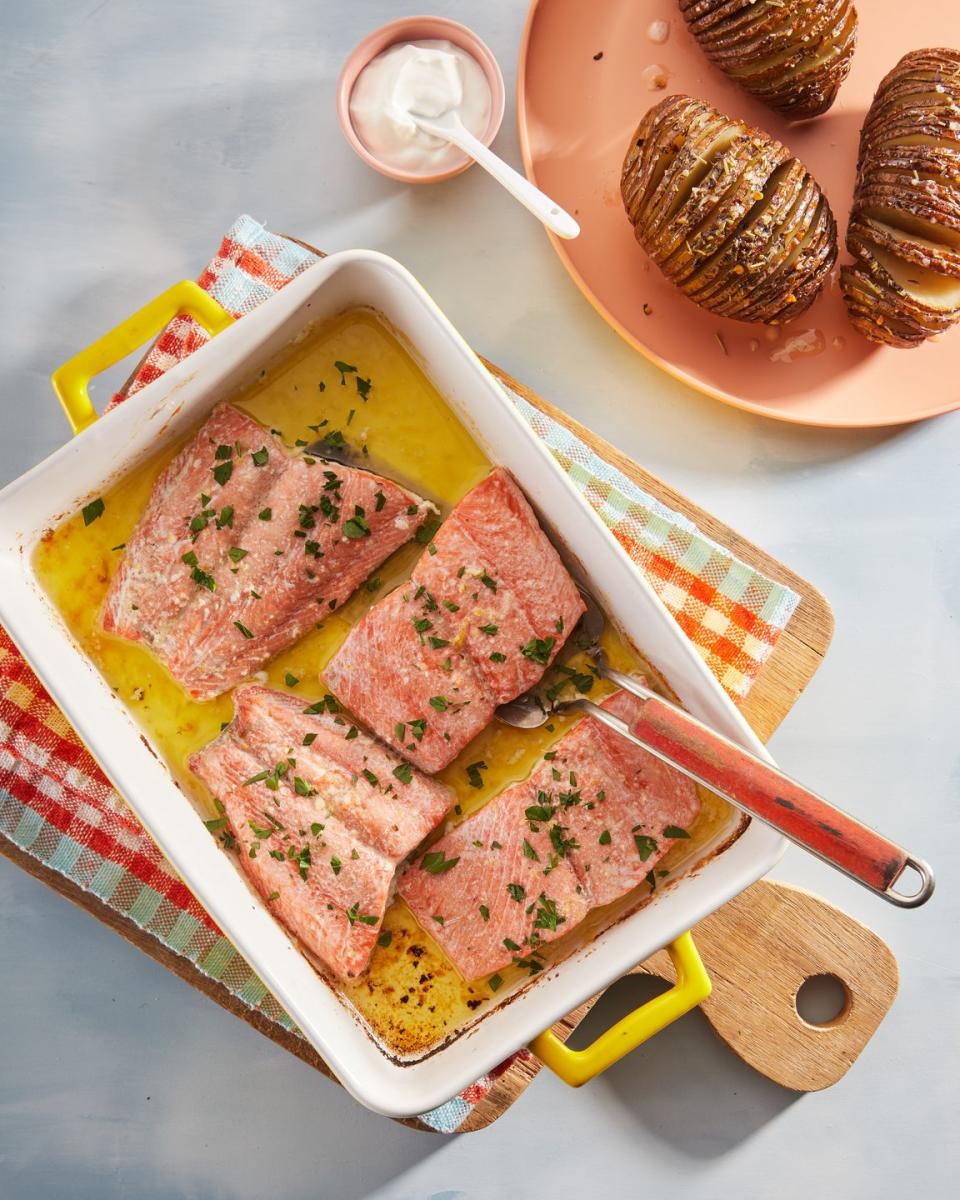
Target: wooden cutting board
<point>758,949</point>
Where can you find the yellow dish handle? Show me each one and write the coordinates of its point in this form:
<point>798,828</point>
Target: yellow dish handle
<point>578,1067</point>
<point>70,381</point>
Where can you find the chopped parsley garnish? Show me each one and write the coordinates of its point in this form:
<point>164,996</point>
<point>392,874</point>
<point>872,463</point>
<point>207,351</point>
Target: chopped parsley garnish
<point>450,606</point>
<point>93,510</point>
<point>645,846</point>
<point>538,650</point>
<point>356,526</point>
<point>203,579</point>
<point>435,862</point>
<point>316,829</point>
<point>497,657</point>
<point>404,773</point>
<point>674,831</point>
<point>422,624</point>
<point>335,865</point>
<point>426,531</point>
<point>351,733</point>
<point>363,387</point>
<point>225,519</point>
<point>345,369</point>
<point>237,553</point>
<point>418,729</point>
<point>529,852</point>
<point>440,703</point>
<point>473,774</point>
<point>302,788</point>
<point>291,681</point>
<point>540,812</point>
<point>265,514</point>
<point>547,915</point>
<point>327,702</point>
<point>216,824</point>
<point>243,629</point>
<point>605,839</point>
<point>489,629</point>
<point>438,643</point>
<point>369,777</point>
<point>309,739</point>
<point>385,938</point>
<point>260,457</point>
<point>511,945</point>
<point>354,914</point>
<point>438,918</point>
<point>517,891</point>
<point>495,983</point>
<point>223,453</point>
<point>484,912</point>
<point>486,580</point>
<point>273,896</point>
<point>381,500</point>
<point>372,584</point>
<point>560,843</point>
<point>222,472</point>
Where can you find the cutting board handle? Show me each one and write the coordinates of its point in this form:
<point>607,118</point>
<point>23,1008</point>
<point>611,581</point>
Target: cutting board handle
<point>759,950</point>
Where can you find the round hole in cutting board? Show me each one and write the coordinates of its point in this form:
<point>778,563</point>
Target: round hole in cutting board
<point>822,1000</point>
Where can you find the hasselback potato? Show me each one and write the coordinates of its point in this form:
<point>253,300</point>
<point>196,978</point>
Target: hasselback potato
<point>727,213</point>
<point>790,54</point>
<point>904,230</point>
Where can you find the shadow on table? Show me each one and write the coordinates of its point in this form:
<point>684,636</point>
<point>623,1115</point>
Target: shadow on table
<point>685,1086</point>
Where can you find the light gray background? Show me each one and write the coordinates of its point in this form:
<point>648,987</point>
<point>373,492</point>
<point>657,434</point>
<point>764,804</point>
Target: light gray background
<point>132,135</point>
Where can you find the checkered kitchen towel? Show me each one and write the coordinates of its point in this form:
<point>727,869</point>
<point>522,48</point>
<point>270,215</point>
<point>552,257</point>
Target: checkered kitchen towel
<point>57,806</point>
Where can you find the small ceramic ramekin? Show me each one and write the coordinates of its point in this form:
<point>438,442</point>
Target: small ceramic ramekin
<point>411,29</point>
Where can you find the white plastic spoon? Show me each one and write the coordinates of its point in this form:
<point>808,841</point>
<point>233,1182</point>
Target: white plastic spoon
<point>449,127</point>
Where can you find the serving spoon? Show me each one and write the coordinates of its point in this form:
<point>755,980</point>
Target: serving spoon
<point>725,768</point>
<point>449,127</point>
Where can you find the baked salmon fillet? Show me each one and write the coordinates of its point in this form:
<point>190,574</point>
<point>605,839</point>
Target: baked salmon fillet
<point>486,611</point>
<point>590,823</point>
<point>244,547</point>
<point>200,500</point>
<point>321,814</point>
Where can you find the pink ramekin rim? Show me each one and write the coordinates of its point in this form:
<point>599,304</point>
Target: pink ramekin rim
<point>407,29</point>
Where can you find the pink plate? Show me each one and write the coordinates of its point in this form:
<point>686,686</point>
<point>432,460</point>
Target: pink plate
<point>583,86</point>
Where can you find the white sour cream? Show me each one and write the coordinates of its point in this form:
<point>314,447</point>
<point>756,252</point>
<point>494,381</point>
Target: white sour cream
<point>429,78</point>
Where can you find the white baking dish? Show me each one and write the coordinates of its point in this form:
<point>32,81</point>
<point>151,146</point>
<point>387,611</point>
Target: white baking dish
<point>164,411</point>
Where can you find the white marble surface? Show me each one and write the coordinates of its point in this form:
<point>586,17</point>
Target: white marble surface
<point>132,135</point>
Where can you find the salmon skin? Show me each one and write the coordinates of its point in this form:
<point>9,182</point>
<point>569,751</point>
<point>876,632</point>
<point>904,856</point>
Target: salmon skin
<point>487,609</point>
<point>244,547</point>
<point>590,823</point>
<point>321,814</point>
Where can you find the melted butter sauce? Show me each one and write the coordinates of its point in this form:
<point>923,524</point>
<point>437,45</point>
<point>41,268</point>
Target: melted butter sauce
<point>412,997</point>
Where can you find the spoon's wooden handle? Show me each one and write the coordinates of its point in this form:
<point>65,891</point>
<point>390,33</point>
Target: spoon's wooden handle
<point>759,949</point>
